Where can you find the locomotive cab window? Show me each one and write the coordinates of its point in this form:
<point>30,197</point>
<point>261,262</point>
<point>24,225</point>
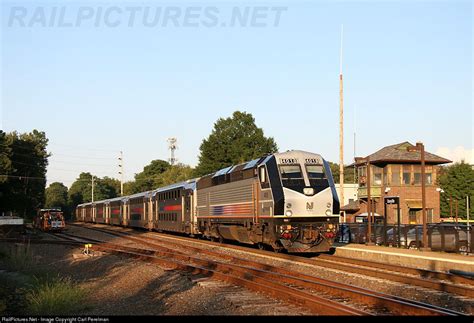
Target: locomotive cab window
<point>316,172</point>
<point>317,177</point>
<point>292,177</point>
<point>289,172</point>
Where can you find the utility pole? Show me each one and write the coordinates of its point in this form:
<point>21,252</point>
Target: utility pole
<point>121,172</point>
<point>450,199</point>
<point>456,202</point>
<point>467,208</point>
<point>369,205</point>
<point>355,128</point>
<point>423,197</point>
<point>468,226</point>
<point>92,188</point>
<point>341,128</point>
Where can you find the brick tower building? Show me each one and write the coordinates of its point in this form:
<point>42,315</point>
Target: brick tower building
<point>395,171</point>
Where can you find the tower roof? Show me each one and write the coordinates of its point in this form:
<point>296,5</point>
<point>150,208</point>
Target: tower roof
<point>398,153</point>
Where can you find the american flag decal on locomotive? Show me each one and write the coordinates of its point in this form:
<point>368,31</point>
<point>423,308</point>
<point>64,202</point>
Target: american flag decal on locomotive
<point>234,209</point>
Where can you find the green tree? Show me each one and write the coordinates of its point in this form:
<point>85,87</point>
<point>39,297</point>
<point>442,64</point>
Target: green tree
<point>5,170</point>
<point>81,190</point>
<point>56,196</point>
<point>5,152</point>
<point>149,178</point>
<point>348,173</point>
<point>457,182</point>
<point>24,189</point>
<point>174,174</point>
<point>234,140</point>
<point>110,186</point>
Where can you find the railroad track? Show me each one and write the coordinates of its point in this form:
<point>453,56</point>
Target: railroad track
<point>443,282</point>
<point>231,274</point>
<point>297,287</point>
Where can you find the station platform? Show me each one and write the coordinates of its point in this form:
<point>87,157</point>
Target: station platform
<point>11,220</point>
<point>427,260</point>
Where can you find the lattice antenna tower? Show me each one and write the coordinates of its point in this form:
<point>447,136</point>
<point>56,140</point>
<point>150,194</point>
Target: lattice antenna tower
<point>172,146</point>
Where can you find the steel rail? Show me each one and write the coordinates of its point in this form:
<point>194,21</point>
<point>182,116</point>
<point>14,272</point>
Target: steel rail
<point>381,271</point>
<point>400,269</point>
<point>395,304</point>
<point>224,272</point>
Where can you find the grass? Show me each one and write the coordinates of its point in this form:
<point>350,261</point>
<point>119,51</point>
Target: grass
<point>26,289</point>
<point>17,258</point>
<point>59,296</point>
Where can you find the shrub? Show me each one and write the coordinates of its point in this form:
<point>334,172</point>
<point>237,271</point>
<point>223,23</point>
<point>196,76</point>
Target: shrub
<point>59,296</point>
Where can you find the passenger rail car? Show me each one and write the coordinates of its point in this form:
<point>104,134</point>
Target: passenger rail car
<point>286,201</point>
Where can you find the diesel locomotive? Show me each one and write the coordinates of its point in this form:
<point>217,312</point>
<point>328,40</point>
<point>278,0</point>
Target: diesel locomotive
<point>49,220</point>
<point>285,201</point>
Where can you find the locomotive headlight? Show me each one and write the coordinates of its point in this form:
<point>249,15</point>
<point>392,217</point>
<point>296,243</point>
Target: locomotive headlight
<point>328,205</point>
<point>308,191</point>
<point>289,213</point>
<point>288,205</point>
<point>328,212</point>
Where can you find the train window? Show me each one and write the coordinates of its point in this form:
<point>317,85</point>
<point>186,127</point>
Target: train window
<point>292,177</point>
<point>291,172</point>
<point>263,178</point>
<point>316,171</point>
<point>263,175</point>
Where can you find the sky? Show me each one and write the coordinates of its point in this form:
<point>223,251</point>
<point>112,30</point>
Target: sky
<point>99,78</point>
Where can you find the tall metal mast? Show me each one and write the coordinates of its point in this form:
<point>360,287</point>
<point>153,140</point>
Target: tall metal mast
<point>172,147</point>
<point>121,172</point>
<point>341,129</point>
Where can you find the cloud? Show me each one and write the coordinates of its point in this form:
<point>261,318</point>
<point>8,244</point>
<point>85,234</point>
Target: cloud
<point>457,154</point>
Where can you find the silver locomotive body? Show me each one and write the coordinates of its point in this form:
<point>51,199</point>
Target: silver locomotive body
<point>285,201</point>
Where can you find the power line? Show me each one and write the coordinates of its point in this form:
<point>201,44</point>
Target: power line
<point>52,154</point>
<point>84,148</point>
<point>82,157</point>
<point>17,143</point>
<point>81,164</point>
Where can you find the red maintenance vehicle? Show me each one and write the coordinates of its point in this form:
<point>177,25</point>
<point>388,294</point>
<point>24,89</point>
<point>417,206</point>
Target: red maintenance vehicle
<point>49,220</point>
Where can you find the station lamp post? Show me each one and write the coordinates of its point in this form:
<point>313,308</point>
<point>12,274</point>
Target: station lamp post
<point>439,190</point>
<point>421,148</point>
<point>387,189</point>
